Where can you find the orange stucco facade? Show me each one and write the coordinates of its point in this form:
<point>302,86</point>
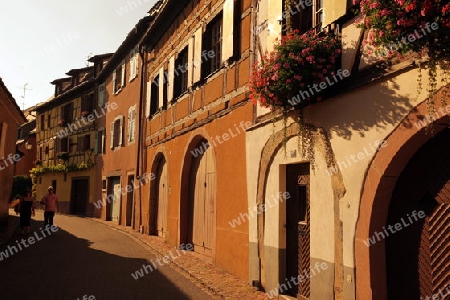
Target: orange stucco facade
<point>9,122</point>
<point>211,108</point>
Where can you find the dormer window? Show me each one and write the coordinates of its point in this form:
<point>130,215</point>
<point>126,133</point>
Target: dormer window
<point>98,67</point>
<point>75,80</point>
<point>57,89</point>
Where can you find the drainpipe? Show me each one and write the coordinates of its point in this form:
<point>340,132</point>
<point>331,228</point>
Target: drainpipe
<point>141,136</point>
<point>253,48</point>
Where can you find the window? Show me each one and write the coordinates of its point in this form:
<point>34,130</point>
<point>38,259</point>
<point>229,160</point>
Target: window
<point>99,146</point>
<point>84,143</point>
<point>67,112</point>
<point>103,184</point>
<point>308,17</point>
<point>131,123</point>
<point>212,41</point>
<point>49,120</point>
<point>116,132</point>
<point>181,74</point>
<point>134,63</point>
<point>41,156</point>
<point>62,145</point>
<point>101,95</point>
<point>87,103</point>
<point>42,122</point>
<point>154,101</point>
<point>119,78</point>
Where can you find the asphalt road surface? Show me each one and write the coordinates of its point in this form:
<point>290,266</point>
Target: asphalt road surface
<point>85,258</point>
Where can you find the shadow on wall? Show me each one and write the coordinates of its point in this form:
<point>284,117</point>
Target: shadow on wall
<point>361,105</point>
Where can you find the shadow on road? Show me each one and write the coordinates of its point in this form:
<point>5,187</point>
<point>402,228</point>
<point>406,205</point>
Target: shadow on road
<point>63,266</point>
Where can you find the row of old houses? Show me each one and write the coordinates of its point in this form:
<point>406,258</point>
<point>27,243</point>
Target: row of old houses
<point>161,136</point>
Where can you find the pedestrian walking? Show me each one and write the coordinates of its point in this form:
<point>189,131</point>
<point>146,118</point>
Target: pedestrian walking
<point>26,211</point>
<point>51,206</point>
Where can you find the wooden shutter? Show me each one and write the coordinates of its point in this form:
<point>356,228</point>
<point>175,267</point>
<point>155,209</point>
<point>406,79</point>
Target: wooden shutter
<point>149,99</point>
<point>192,63</point>
<point>228,30</point>
<point>129,125</point>
<point>114,81</point>
<point>133,123</point>
<point>136,62</point>
<point>132,68</point>
<point>170,75</point>
<point>96,141</point>
<point>58,146</point>
<point>123,73</point>
<point>161,88</point>
<point>197,56</point>
<point>103,137</point>
<point>121,130</point>
<point>111,130</point>
<point>101,95</point>
<point>80,143</point>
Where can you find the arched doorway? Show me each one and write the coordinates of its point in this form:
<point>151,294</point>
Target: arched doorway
<point>380,188</point>
<point>159,199</point>
<point>418,248</point>
<point>198,202</point>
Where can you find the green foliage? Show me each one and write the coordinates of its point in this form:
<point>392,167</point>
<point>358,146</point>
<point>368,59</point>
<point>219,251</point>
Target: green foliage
<point>59,168</point>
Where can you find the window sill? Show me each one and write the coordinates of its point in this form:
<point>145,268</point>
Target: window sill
<point>132,79</point>
<point>118,91</point>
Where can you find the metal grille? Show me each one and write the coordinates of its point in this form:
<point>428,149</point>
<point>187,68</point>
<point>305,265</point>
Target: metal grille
<point>304,288</point>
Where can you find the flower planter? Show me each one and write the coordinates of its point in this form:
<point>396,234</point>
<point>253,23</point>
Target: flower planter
<point>288,77</point>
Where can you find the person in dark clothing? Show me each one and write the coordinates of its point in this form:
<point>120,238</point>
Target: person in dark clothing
<point>26,211</point>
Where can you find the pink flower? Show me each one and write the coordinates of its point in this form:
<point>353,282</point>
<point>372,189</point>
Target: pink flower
<point>410,7</point>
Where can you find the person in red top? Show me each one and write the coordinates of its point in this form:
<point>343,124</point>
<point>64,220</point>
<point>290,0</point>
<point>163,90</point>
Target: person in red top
<point>51,206</point>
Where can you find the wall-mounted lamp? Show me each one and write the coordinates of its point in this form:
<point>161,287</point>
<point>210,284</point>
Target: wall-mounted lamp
<point>28,146</point>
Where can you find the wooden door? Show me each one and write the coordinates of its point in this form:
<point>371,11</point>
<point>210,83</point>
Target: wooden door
<point>418,249</point>
<point>202,202</point>
<point>115,206</point>
<point>79,196</point>
<point>162,194</point>
<point>130,197</point>
<point>298,228</point>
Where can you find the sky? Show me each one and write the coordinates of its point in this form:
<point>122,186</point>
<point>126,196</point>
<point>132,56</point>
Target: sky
<point>40,41</point>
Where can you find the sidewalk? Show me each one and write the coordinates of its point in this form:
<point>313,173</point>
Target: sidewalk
<point>210,278</point>
<point>7,232</point>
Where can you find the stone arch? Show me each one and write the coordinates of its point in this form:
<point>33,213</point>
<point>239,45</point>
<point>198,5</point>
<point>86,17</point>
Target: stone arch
<point>268,153</point>
<point>198,140</point>
<point>380,181</point>
<point>159,160</point>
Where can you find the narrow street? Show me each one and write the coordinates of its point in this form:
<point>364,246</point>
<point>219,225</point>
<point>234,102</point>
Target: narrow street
<point>84,257</point>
